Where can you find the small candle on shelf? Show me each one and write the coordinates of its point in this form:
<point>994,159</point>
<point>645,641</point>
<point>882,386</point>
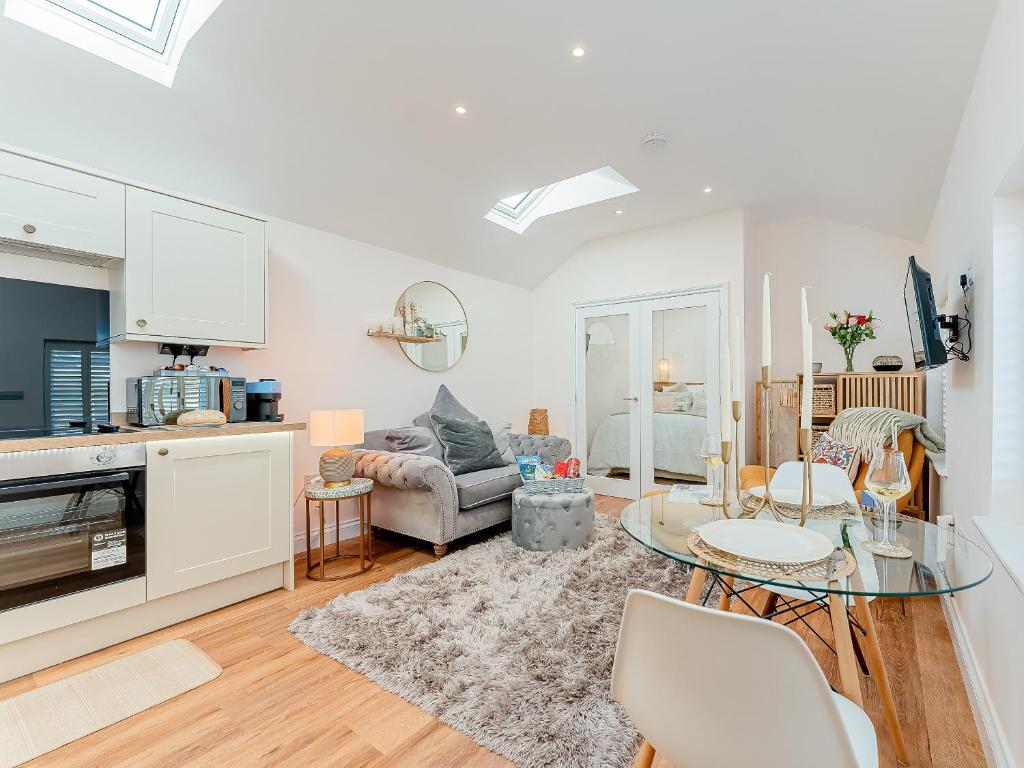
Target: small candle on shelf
<point>397,326</point>
<point>374,325</point>
<point>806,395</point>
<point>766,322</point>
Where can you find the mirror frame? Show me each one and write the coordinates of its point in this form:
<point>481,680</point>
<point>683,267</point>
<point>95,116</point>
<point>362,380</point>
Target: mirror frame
<point>401,345</point>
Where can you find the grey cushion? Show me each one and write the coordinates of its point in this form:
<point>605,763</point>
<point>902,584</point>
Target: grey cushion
<point>503,440</point>
<point>544,522</point>
<point>374,440</point>
<point>549,447</point>
<point>486,485</point>
<point>468,445</point>
<point>418,440</point>
<point>445,404</point>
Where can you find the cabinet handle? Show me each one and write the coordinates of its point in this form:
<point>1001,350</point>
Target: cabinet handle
<point>141,323</point>
<point>162,451</point>
<point>30,229</point>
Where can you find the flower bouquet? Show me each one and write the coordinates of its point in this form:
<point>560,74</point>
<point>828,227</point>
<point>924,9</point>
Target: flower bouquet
<point>849,330</point>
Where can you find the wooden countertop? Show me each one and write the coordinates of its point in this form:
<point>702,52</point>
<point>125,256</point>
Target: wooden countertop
<point>147,434</point>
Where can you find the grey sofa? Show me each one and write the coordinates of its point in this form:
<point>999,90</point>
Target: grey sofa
<point>420,497</point>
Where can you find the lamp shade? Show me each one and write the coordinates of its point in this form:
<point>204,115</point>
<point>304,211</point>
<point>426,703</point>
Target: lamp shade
<point>664,368</point>
<point>330,428</point>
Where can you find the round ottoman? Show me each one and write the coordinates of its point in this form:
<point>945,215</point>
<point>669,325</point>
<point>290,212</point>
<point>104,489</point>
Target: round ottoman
<point>545,522</point>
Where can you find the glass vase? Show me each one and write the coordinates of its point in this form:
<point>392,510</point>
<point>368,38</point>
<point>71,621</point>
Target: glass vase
<point>848,351</point>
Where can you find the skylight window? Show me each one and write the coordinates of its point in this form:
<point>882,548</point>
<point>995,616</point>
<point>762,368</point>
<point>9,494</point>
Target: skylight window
<point>519,211</point>
<point>145,36</point>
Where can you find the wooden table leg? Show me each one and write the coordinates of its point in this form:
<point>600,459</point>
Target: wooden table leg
<point>848,673</point>
<point>877,666</point>
<point>723,601</point>
<point>369,525</point>
<point>645,756</point>
<point>696,589</point>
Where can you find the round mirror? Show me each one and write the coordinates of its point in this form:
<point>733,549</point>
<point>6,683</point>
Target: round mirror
<point>434,328</point>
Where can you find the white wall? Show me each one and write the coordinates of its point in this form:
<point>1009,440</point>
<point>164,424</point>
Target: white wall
<point>684,254</point>
<point>323,291</point>
<point>685,343</point>
<point>989,144</point>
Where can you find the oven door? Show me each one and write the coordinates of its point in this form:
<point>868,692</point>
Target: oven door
<point>67,533</point>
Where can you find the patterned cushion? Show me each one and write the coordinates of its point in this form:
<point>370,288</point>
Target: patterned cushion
<point>827,450</point>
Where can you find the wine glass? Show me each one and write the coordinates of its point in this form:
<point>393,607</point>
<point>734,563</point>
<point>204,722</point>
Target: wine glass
<point>711,452</point>
<point>888,480</point>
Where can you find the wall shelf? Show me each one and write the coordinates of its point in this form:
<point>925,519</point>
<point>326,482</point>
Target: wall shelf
<point>403,339</point>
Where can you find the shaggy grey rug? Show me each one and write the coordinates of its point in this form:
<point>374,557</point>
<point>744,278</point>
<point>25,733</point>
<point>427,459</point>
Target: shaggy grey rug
<point>514,648</point>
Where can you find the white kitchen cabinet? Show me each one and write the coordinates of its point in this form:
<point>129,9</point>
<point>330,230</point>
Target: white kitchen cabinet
<point>52,211</point>
<point>216,507</point>
<point>192,273</point>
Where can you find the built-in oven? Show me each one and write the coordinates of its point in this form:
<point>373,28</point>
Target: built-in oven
<point>71,519</point>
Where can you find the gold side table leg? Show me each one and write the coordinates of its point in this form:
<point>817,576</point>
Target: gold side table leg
<point>309,537</point>
<point>362,532</point>
<point>322,552</point>
<point>369,525</point>
<point>337,528</point>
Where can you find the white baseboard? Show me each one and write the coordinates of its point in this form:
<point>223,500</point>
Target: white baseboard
<point>993,740</point>
<point>349,530</point>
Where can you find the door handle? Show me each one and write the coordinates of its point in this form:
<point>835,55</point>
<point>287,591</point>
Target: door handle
<point>632,399</point>
<point>162,452</point>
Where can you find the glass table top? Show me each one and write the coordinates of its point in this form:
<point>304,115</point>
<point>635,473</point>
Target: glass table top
<point>942,561</point>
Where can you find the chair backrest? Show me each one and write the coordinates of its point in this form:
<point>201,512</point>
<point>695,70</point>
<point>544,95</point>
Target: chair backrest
<point>827,479</point>
<point>719,690</point>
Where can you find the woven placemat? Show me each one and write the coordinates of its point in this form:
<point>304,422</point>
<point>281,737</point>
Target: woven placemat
<point>817,571</point>
<point>792,511</point>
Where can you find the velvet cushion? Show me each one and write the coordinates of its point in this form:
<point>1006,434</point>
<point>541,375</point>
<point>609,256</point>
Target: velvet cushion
<point>418,440</point>
<point>468,445</point>
<point>447,405</point>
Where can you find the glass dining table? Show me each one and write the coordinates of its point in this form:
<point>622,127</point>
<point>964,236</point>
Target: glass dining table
<point>942,562</point>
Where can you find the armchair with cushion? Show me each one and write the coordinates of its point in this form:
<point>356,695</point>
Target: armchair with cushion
<point>752,475</point>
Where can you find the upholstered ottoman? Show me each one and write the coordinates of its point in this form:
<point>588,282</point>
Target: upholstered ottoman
<point>544,522</point>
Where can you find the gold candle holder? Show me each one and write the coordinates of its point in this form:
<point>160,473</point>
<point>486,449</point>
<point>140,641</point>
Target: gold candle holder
<point>807,491</point>
<point>737,414</point>
<point>726,458</point>
<point>766,500</point>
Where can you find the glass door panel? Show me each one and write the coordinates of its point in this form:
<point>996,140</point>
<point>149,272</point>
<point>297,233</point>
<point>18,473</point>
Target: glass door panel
<point>607,404</point>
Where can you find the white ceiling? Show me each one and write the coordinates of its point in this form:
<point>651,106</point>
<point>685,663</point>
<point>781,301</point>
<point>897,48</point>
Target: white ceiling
<point>340,114</point>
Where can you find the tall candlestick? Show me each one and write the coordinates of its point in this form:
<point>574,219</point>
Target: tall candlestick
<point>766,322</point>
<point>806,394</point>
<point>726,399</point>
<point>736,345</point>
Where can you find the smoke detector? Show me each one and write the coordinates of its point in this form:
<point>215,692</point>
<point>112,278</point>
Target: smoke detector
<point>655,139</point>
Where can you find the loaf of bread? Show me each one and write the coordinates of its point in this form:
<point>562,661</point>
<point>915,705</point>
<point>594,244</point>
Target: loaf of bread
<point>200,418</point>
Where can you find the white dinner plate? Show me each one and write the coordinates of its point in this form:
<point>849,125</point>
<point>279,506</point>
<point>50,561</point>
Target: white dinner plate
<point>794,496</point>
<point>767,540</point>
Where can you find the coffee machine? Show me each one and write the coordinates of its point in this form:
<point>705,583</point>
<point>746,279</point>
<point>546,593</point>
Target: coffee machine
<point>261,398</point>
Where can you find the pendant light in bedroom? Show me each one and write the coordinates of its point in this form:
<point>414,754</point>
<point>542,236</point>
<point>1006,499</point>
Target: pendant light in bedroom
<point>664,365</point>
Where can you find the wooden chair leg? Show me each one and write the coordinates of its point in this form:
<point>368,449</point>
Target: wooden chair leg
<point>723,601</point>
<point>844,647</point>
<point>645,757</point>
<point>696,589</point>
<point>770,604</point>
<point>860,654</point>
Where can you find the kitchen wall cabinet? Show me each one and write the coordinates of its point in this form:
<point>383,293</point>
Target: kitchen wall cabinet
<point>59,212</point>
<point>192,273</point>
<point>216,507</point>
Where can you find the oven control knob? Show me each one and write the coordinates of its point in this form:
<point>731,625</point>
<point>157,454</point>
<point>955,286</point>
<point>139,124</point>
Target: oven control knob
<point>105,457</point>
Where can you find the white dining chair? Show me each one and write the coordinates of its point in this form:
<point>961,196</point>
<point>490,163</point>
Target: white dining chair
<point>721,690</point>
<point>827,479</point>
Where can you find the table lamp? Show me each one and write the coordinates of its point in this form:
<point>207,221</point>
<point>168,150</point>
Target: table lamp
<point>334,429</point>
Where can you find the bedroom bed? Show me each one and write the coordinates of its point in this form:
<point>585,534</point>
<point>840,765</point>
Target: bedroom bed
<point>677,442</point>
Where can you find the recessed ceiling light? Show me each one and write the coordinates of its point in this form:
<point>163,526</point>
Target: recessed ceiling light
<point>618,212</point>
<point>460,110</point>
<point>579,52</point>
<point>708,190</point>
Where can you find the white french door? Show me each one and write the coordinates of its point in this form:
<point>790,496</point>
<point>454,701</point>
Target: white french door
<point>647,388</point>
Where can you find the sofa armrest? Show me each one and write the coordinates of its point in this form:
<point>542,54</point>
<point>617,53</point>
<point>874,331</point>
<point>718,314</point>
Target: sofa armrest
<point>550,448</point>
<point>412,472</point>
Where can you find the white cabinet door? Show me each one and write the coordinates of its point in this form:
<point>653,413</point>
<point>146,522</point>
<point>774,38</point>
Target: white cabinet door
<point>193,271</point>
<point>44,205</point>
<point>216,507</point>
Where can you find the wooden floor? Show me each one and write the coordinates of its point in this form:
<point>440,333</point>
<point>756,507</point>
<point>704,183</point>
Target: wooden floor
<point>278,703</point>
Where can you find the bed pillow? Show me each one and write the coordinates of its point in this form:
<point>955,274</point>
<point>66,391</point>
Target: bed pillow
<point>447,405</point>
<point>502,440</point>
<point>679,386</point>
<point>699,406</point>
<point>664,403</point>
<point>828,450</point>
<point>468,445</point>
<point>418,440</point>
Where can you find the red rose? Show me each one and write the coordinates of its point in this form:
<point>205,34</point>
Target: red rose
<point>862,319</point>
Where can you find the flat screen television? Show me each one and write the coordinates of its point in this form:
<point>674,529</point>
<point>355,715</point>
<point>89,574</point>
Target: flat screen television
<point>923,318</point>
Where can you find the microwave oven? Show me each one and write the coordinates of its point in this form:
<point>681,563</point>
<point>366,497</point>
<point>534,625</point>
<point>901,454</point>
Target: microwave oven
<point>151,399</point>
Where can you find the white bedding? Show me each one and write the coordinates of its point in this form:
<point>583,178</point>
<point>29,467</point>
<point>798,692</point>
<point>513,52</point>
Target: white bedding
<point>677,443</point>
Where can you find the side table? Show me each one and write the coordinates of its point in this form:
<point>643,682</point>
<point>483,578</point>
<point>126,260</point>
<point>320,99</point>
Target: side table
<point>360,488</point>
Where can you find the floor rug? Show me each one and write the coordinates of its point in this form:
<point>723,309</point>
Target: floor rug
<point>514,648</point>
<point>36,722</point>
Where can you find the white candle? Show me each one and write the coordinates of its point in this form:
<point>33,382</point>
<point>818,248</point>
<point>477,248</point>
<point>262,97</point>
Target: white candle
<point>766,322</point>
<point>726,396</point>
<point>808,382</point>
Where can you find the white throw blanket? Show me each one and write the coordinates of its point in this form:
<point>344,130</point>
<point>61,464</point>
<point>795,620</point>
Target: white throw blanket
<point>867,429</point>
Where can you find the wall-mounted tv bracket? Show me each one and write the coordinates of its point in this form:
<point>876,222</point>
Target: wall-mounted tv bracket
<point>957,325</point>
<point>177,350</point>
